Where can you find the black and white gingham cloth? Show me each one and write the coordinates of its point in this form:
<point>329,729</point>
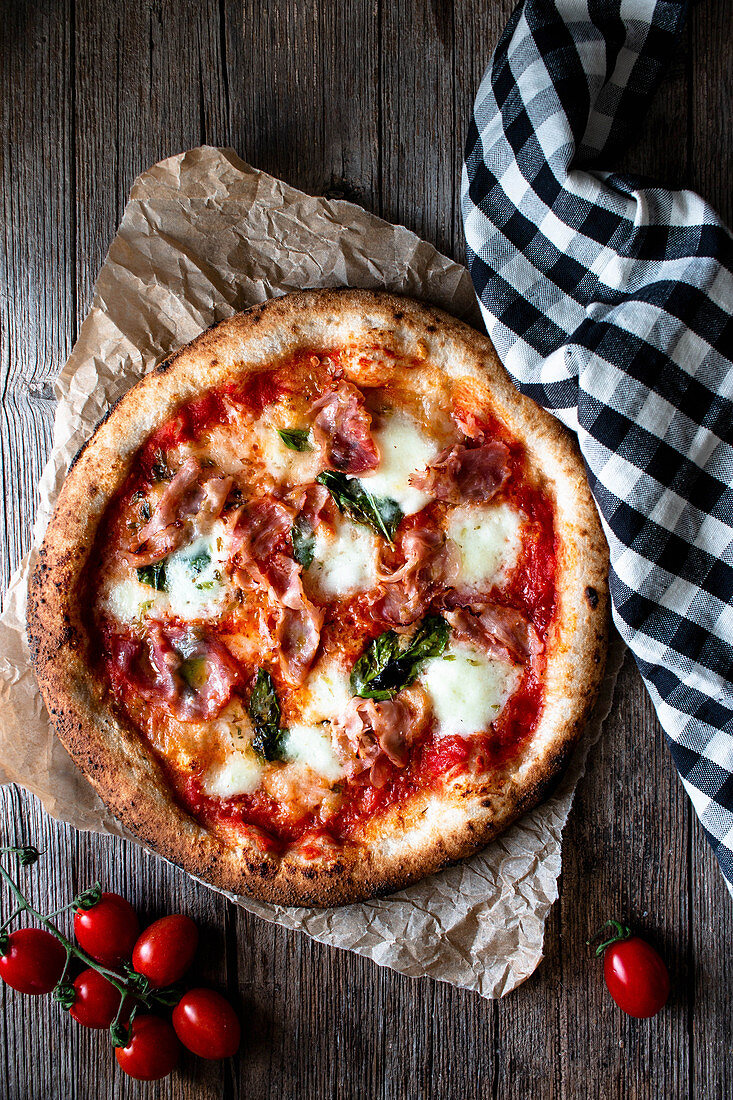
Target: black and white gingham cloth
<point>609,302</point>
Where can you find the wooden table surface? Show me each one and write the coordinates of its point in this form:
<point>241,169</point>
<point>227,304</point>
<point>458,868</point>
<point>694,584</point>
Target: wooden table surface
<point>368,99</point>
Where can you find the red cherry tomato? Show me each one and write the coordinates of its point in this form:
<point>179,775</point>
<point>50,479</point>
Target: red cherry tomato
<point>96,1002</point>
<point>207,1024</point>
<point>108,930</point>
<point>165,950</point>
<point>635,974</point>
<point>152,1049</point>
<point>33,961</point>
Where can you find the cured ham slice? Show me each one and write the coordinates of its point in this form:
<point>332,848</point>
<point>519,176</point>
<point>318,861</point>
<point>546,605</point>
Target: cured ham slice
<point>409,590</point>
<point>261,534</point>
<point>190,503</point>
<point>462,473</point>
<point>311,503</point>
<point>380,733</point>
<point>299,635</point>
<point>261,528</point>
<point>342,427</point>
<point>499,629</point>
<point>192,674</point>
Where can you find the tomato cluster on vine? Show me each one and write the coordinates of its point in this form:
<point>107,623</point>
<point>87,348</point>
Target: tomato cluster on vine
<point>129,978</point>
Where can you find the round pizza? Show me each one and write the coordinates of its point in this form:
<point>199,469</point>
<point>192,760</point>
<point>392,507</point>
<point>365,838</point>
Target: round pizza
<point>323,603</point>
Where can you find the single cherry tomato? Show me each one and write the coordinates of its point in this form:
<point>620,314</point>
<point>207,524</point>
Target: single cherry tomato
<point>635,973</point>
<point>207,1024</point>
<point>108,930</point>
<point>165,950</point>
<point>96,1002</point>
<point>33,961</point>
<point>152,1049</point>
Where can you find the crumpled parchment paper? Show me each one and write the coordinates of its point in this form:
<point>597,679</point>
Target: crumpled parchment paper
<point>204,235</point>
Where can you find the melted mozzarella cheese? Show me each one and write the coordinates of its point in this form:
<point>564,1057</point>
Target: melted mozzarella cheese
<point>326,693</point>
<point>487,539</point>
<point>311,745</point>
<point>127,600</point>
<point>239,773</point>
<point>195,584</point>
<point>404,450</point>
<point>344,561</point>
<point>468,689</point>
<point>283,463</point>
<point>195,578</point>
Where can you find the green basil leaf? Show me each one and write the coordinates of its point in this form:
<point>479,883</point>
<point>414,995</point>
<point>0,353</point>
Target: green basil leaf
<point>352,498</point>
<point>389,664</point>
<point>194,672</point>
<point>198,563</point>
<point>297,439</point>
<point>304,542</point>
<point>153,575</point>
<point>264,710</point>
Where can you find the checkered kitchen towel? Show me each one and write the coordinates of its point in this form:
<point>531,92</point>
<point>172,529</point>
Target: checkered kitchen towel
<point>609,302</point>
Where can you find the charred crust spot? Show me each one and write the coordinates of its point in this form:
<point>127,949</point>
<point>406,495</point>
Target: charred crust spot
<point>592,597</point>
<point>431,328</point>
<point>398,315</point>
<point>79,453</point>
<point>165,366</point>
<point>99,424</point>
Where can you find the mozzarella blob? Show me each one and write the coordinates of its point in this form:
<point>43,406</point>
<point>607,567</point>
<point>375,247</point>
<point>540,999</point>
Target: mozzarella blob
<point>487,539</point>
<point>344,560</point>
<point>240,773</point>
<point>404,450</point>
<point>195,577</point>
<point>195,584</point>
<point>468,689</point>
<point>282,462</point>
<point>326,693</point>
<point>311,745</point>
<point>128,600</point>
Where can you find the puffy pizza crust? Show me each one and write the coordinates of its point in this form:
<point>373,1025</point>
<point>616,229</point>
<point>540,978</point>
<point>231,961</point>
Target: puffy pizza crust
<point>410,840</point>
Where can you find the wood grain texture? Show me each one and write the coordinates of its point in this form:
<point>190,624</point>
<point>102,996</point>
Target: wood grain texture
<point>368,99</point>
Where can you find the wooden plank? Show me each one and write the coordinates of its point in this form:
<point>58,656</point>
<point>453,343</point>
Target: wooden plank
<point>710,961</point>
<point>36,306</point>
<point>302,82</point>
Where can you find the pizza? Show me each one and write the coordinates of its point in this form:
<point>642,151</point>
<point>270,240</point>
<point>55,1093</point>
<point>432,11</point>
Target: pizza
<point>323,603</point>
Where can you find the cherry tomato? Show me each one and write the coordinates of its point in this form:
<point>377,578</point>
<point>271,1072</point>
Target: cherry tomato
<point>206,1024</point>
<point>108,930</point>
<point>635,973</point>
<point>33,961</point>
<point>165,950</point>
<point>96,1002</point>
<point>152,1049</point>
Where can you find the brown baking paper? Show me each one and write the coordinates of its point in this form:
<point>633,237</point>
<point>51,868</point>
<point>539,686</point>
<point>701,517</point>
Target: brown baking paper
<point>205,235</point>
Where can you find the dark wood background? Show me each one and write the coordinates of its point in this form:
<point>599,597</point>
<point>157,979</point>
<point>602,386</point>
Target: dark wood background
<point>369,99</point>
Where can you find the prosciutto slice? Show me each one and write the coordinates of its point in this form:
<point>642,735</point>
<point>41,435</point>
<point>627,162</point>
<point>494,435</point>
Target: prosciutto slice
<point>194,675</point>
<point>462,473</point>
<point>407,592</point>
<point>191,502</point>
<point>261,534</point>
<point>342,427</point>
<point>261,528</point>
<point>380,733</point>
<point>501,630</point>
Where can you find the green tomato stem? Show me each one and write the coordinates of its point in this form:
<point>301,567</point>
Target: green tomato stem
<point>621,932</point>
